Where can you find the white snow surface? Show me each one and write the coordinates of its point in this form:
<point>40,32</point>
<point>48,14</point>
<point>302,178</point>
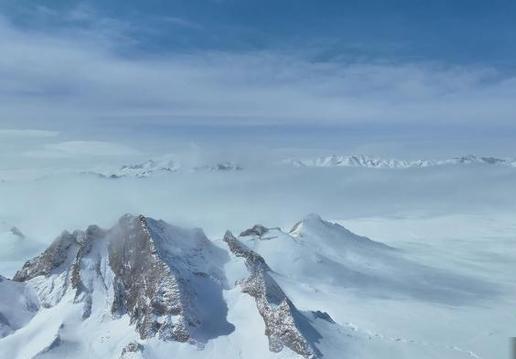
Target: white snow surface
<point>389,299</point>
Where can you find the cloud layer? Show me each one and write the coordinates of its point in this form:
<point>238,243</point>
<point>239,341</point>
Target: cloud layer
<point>56,80</point>
<point>71,149</point>
<point>8,134</point>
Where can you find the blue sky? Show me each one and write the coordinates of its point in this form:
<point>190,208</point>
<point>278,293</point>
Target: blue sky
<point>378,70</point>
<point>459,31</point>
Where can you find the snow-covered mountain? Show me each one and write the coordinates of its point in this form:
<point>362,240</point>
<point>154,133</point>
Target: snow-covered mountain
<point>374,162</point>
<point>145,169</point>
<point>324,254</point>
<point>144,287</point>
<point>148,289</point>
<point>160,167</point>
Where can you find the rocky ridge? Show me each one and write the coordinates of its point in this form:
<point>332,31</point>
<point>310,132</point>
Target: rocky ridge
<point>285,325</point>
<point>131,268</point>
<point>166,281</point>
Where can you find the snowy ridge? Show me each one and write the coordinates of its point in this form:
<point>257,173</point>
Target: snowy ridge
<point>320,253</point>
<point>284,323</point>
<point>146,169</point>
<point>132,270</point>
<point>375,162</point>
<point>160,167</point>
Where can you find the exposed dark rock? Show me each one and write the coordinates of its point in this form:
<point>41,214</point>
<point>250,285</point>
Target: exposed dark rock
<point>63,248</point>
<point>130,348</point>
<point>284,324</point>
<point>154,271</point>
<point>147,288</point>
<point>252,259</point>
<point>323,315</point>
<point>257,230</point>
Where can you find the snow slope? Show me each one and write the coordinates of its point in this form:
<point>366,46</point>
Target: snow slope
<point>145,288</point>
<point>316,252</point>
<point>148,289</point>
<point>379,292</point>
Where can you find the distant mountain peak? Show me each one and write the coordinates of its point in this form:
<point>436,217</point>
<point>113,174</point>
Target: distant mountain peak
<point>152,168</point>
<point>360,160</point>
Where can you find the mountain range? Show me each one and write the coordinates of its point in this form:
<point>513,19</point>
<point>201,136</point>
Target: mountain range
<point>375,162</point>
<point>148,289</point>
<point>159,167</point>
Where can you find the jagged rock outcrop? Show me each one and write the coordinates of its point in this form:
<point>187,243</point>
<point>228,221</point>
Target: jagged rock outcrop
<point>62,249</point>
<point>146,269</point>
<point>73,262</point>
<point>132,350</point>
<point>257,230</point>
<point>166,280</point>
<point>285,325</point>
<point>146,287</point>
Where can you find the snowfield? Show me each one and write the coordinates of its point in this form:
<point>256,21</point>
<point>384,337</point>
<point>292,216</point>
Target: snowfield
<point>362,298</point>
<point>401,264</point>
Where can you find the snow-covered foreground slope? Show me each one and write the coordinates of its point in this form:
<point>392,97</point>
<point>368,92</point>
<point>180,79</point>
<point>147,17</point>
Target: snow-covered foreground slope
<point>482,246</point>
<point>439,310</point>
<point>147,289</point>
<point>375,162</point>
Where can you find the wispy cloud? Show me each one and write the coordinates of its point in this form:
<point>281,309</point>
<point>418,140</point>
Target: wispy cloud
<point>178,21</point>
<point>56,79</point>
